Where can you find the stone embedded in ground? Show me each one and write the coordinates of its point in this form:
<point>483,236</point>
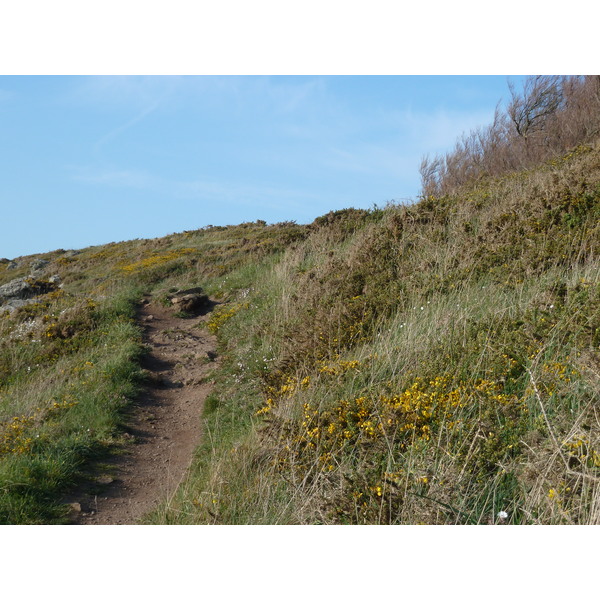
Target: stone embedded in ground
<point>39,264</point>
<point>190,302</point>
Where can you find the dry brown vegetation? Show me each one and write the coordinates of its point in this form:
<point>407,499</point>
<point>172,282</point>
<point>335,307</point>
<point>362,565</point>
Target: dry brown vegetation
<point>545,119</point>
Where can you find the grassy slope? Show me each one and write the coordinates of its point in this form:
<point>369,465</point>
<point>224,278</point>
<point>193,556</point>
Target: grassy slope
<point>69,363</point>
<point>435,363</point>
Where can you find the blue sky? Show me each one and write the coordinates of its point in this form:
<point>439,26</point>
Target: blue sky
<point>94,159</point>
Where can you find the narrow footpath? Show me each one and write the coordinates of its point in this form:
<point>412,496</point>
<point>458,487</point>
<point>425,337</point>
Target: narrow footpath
<point>165,424</point>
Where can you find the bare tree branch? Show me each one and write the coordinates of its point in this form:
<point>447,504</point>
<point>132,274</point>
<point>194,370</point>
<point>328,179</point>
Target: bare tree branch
<point>541,97</point>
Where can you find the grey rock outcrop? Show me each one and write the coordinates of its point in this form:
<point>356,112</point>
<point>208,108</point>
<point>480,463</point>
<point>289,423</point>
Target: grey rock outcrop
<point>22,291</point>
<point>17,289</point>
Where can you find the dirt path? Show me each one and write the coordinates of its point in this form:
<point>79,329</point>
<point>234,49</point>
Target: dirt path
<point>165,424</point>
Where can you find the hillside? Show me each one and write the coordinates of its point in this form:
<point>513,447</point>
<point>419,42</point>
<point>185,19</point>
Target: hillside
<point>435,363</point>
<point>432,363</point>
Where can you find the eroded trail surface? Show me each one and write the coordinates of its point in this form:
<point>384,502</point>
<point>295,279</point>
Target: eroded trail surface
<point>165,424</point>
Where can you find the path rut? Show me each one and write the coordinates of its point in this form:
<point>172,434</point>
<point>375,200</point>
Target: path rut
<point>165,424</point>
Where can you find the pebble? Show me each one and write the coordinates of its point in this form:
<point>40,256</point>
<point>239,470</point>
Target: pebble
<point>105,479</point>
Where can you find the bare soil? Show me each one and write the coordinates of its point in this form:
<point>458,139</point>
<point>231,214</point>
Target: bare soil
<point>165,425</point>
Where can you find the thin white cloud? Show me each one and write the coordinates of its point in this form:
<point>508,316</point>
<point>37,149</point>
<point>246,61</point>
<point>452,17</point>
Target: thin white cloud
<point>284,97</point>
<point>119,92</point>
<point>313,132</point>
<point>403,136</point>
<point>242,194</point>
<point>367,158</point>
<point>116,178</point>
<point>438,130</point>
<point>115,133</point>
<point>276,95</point>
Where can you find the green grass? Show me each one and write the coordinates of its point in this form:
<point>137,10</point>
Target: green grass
<point>64,402</point>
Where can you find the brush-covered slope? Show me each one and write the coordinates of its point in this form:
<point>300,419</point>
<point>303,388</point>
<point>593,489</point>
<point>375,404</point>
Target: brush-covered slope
<point>433,363</point>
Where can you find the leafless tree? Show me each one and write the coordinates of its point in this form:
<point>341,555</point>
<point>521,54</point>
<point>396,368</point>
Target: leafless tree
<point>541,97</point>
